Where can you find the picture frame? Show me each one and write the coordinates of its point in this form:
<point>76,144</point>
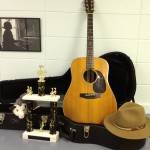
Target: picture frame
<point>20,34</point>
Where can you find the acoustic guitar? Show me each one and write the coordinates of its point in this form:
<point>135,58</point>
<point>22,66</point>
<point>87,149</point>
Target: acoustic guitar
<point>89,98</point>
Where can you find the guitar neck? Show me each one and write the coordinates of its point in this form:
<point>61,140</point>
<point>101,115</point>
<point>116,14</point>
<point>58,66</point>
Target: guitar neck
<point>90,51</point>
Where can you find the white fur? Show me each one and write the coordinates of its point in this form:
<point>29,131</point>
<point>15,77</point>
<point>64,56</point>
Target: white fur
<point>20,111</point>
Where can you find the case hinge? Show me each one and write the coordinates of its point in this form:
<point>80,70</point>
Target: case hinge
<point>86,131</point>
<point>2,117</point>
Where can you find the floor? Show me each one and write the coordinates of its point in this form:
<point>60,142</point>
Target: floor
<point>12,140</point>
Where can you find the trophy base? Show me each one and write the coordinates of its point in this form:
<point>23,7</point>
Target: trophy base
<point>38,135</point>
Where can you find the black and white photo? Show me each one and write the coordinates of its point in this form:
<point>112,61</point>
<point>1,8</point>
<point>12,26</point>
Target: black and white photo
<point>20,34</point>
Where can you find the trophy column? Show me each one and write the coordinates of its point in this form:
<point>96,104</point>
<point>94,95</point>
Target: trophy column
<point>29,117</point>
<point>53,118</point>
<point>41,88</point>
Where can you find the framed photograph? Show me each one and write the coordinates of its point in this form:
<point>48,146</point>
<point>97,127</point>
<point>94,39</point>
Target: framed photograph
<point>20,34</point>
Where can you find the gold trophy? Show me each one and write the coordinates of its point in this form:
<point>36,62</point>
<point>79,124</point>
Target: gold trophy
<point>41,82</point>
<point>29,90</point>
<point>53,92</point>
<point>43,123</point>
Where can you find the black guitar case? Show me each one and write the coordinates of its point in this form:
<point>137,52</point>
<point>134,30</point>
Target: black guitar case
<point>122,80</point>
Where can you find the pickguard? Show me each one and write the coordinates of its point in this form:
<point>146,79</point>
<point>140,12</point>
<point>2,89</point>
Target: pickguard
<point>99,86</point>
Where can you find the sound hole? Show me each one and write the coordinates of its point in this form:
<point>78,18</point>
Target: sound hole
<point>90,76</point>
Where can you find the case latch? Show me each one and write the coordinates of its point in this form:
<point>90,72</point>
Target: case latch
<point>86,131</point>
<point>2,117</point>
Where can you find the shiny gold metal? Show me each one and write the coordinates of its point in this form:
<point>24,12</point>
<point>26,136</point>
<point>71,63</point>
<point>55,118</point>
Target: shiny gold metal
<point>29,90</point>
<point>43,123</point>
<point>41,73</point>
<point>53,92</point>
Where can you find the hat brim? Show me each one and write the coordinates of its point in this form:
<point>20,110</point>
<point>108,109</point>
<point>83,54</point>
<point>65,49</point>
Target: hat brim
<point>136,134</point>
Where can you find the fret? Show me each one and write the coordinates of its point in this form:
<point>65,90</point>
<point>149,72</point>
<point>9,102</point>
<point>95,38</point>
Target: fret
<point>90,27</point>
<point>90,24</point>
<point>89,60</point>
<point>89,38</point>
<point>89,44</point>
<point>90,30</point>
<point>90,47</point>
<point>90,64</point>
<point>89,56</point>
<point>89,52</point>
<point>90,34</point>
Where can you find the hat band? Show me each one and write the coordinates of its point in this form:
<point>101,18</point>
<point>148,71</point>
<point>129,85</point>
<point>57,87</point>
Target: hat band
<point>129,129</point>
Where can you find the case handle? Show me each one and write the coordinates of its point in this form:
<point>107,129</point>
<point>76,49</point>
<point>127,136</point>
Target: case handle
<point>65,134</point>
<point>86,131</point>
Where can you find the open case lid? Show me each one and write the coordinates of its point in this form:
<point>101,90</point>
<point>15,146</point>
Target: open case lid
<point>122,77</point>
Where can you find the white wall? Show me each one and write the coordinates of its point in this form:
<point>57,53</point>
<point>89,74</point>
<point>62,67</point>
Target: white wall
<point>119,25</point>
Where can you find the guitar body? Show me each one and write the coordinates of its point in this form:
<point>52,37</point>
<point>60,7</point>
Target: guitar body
<point>84,101</point>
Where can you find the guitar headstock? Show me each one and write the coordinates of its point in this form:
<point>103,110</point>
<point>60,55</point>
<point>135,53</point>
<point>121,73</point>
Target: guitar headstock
<point>89,6</point>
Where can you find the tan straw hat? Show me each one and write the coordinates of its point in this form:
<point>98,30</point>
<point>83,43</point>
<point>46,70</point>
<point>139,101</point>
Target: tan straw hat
<point>129,122</point>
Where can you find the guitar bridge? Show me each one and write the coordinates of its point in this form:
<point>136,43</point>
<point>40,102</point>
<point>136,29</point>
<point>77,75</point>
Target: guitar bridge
<point>90,95</point>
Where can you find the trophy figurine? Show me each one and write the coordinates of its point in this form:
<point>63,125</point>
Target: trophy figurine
<point>53,92</point>
<point>29,90</point>
<point>43,123</point>
<point>41,82</point>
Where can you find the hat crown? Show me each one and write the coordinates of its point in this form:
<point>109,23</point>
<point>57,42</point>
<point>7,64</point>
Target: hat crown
<point>130,116</point>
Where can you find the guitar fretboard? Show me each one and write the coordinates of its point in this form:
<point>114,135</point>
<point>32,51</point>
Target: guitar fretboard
<point>90,54</point>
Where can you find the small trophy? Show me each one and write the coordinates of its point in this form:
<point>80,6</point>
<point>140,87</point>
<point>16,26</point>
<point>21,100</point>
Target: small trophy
<point>43,123</point>
<point>41,82</point>
<point>29,90</point>
<point>53,92</point>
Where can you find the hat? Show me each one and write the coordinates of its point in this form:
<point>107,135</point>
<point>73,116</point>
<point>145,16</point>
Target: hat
<point>129,122</point>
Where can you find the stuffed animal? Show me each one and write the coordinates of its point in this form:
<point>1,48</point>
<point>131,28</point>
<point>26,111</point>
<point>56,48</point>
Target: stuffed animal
<point>19,108</point>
